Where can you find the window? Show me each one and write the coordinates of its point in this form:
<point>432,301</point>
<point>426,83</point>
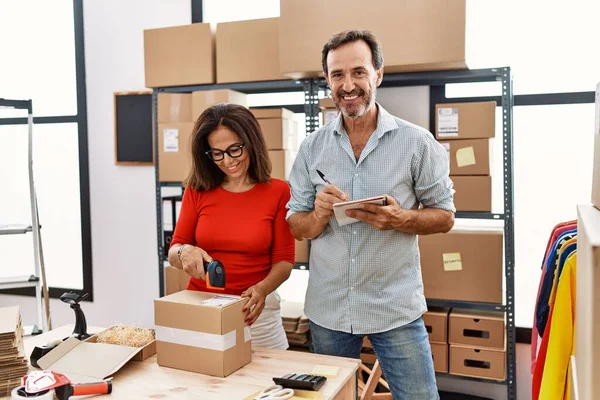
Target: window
<point>43,49</point>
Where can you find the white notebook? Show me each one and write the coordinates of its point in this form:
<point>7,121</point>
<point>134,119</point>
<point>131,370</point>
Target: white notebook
<point>339,209</point>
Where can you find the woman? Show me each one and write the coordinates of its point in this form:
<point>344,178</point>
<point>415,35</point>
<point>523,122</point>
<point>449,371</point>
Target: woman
<point>232,211</point>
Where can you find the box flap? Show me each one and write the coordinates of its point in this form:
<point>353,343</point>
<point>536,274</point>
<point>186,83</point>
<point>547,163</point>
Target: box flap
<point>9,320</point>
<point>83,361</point>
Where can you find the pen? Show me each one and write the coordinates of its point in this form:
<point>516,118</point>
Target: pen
<point>322,175</point>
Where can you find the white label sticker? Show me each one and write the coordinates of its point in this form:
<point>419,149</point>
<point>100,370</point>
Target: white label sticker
<point>171,140</point>
<point>447,122</point>
<point>219,301</point>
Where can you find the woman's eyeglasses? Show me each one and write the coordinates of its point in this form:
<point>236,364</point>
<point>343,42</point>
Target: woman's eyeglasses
<point>233,151</point>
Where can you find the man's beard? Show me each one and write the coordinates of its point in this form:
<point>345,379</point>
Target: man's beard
<point>355,110</point>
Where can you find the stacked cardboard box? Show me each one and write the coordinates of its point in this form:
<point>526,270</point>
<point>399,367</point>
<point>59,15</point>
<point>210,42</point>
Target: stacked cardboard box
<point>179,56</point>
<point>281,136</point>
<point>328,109</point>
<point>463,265</point>
<point>436,322</point>
<point>477,344</point>
<point>13,365</point>
<point>176,116</point>
<point>295,323</point>
<point>467,130</point>
<point>440,44</point>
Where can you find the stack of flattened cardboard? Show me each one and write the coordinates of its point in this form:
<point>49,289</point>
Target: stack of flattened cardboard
<point>13,365</point>
<point>295,323</point>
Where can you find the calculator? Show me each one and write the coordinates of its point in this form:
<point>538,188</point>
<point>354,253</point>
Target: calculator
<point>301,381</point>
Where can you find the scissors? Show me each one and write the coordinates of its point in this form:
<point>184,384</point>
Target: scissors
<point>275,392</point>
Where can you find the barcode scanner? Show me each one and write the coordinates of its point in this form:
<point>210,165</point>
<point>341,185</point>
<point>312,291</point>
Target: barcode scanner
<point>215,275</point>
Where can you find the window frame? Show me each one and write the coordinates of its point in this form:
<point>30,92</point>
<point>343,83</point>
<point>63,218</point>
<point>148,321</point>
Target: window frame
<point>82,132</point>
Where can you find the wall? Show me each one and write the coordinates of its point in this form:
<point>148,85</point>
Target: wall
<point>122,198</point>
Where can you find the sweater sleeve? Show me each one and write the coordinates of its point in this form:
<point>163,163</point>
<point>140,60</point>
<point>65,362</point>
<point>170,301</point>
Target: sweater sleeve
<point>185,230</point>
<point>283,248</point>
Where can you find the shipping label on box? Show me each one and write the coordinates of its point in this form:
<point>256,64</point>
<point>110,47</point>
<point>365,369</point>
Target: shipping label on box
<point>202,332</point>
<point>174,154</point>
<point>465,120</point>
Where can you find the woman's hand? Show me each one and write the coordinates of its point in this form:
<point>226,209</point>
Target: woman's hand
<point>192,261</point>
<point>256,303</point>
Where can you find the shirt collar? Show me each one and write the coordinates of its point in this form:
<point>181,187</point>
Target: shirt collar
<point>385,123</point>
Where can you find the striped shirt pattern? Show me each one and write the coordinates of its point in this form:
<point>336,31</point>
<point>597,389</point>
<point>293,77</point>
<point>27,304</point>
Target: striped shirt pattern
<point>363,280</point>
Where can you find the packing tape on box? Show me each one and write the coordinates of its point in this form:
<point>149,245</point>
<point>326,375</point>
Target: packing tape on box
<point>175,106</point>
<point>16,394</point>
<point>196,339</point>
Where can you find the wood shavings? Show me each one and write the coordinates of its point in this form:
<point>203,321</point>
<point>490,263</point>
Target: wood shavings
<point>126,336</point>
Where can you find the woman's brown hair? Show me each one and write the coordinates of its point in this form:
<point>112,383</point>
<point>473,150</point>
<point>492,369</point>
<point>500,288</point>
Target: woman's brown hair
<point>204,173</point>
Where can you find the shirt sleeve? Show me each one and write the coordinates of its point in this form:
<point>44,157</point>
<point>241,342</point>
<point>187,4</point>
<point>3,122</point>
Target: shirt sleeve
<point>185,230</point>
<point>303,192</point>
<point>283,248</point>
<point>430,171</point>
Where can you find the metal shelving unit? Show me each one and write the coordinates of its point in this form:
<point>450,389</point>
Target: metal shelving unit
<point>436,80</point>
<point>311,108</point>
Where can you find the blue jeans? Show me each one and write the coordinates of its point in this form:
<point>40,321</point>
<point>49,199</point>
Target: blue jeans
<point>404,355</point>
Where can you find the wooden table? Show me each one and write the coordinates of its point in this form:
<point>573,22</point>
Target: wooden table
<point>148,380</point>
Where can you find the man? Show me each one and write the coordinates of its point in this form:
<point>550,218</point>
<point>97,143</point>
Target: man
<point>365,277</point>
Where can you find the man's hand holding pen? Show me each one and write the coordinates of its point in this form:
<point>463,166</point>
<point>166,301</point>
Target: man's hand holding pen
<point>326,199</point>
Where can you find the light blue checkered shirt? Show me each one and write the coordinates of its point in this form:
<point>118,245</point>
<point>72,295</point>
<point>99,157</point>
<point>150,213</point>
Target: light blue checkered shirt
<point>363,280</point>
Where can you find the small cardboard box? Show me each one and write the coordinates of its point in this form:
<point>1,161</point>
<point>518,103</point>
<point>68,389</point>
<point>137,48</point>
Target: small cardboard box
<point>202,332</point>
<point>469,157</point>
<point>596,162</point>
<point>279,133</point>
<point>439,352</point>
<point>436,323</point>
<point>179,56</point>
<point>328,110</point>
<point>301,251</point>
<point>248,51</point>
<point>465,120</point>
<point>201,100</point>
<point>439,25</point>
<point>281,163</point>
<point>272,112</point>
<point>174,107</point>
<point>87,361</point>
<point>478,363</point>
<point>144,352</point>
<point>477,329</point>
<point>176,280</point>
<point>463,265</point>
<point>472,193</point>
<point>174,154</point>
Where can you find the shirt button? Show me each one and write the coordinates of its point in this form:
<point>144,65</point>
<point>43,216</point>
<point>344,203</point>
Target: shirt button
<point>355,174</point>
<point>353,260</point>
<point>354,232</point>
<point>351,287</point>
